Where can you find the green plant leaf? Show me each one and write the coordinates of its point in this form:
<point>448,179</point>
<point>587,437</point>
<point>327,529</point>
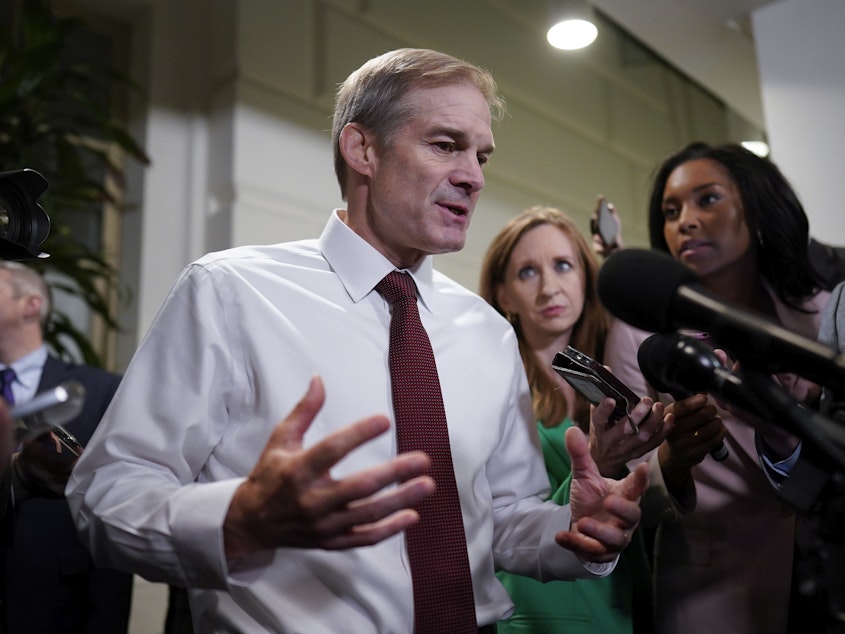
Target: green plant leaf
<point>53,118</point>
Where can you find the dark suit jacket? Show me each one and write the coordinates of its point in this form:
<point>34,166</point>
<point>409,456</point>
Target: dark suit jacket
<point>48,582</point>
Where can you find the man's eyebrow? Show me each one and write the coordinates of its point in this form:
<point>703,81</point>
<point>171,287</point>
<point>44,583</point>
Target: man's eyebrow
<point>460,135</point>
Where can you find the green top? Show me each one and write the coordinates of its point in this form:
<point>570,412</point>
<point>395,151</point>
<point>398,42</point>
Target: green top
<point>597,606</point>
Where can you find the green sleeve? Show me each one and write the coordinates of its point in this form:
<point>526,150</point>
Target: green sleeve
<point>558,463</point>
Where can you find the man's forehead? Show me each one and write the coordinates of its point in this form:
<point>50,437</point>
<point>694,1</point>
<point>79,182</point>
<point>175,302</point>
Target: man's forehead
<point>460,109</point>
<point>454,95</point>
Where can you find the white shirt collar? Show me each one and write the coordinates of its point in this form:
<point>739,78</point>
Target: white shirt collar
<point>359,266</point>
<point>28,371</point>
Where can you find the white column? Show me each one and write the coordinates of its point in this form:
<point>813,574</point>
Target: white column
<point>801,56</point>
<point>180,52</point>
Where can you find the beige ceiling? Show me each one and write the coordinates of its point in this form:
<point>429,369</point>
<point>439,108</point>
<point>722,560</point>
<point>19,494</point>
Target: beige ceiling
<point>709,40</point>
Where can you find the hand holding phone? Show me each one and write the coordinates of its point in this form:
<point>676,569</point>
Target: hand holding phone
<point>42,466</point>
<point>48,411</point>
<point>605,224</point>
<point>594,381</point>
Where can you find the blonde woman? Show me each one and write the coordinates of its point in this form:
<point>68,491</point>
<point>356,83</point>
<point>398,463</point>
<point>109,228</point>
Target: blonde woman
<point>540,273</point>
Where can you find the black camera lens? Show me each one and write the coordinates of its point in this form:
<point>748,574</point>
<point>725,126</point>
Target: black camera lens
<point>24,224</point>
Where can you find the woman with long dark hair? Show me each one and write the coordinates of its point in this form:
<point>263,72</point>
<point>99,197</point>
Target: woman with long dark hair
<point>732,218</point>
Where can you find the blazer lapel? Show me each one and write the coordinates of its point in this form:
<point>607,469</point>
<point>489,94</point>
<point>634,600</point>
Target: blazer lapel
<point>52,374</point>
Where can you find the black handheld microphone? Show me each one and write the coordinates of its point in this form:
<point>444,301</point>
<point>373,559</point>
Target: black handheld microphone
<point>682,366</point>
<point>653,291</point>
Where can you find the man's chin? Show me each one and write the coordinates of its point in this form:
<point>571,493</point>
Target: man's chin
<point>451,247</point>
<point>454,241</point>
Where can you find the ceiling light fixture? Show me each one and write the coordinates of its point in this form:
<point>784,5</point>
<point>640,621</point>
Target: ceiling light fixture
<point>760,148</point>
<point>573,25</point>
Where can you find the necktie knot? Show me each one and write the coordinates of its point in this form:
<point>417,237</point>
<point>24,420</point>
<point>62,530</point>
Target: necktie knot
<point>396,287</point>
<point>7,377</point>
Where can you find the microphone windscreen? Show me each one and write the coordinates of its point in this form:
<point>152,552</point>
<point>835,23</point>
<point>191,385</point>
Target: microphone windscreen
<point>650,350</point>
<point>658,360</point>
<point>638,286</point>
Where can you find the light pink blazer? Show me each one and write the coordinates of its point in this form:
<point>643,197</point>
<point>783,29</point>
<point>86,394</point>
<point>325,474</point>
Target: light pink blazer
<point>724,566</point>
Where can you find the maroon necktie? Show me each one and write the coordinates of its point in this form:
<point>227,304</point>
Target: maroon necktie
<point>437,549</point>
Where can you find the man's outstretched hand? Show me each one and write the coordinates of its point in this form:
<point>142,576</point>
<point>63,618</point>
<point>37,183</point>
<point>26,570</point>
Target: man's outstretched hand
<point>291,500</point>
<point>605,512</point>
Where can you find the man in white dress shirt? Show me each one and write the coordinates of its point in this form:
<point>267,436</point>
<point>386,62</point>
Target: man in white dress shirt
<point>298,526</point>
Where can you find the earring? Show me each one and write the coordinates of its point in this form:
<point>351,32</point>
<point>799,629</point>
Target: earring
<point>760,238</point>
<point>512,317</point>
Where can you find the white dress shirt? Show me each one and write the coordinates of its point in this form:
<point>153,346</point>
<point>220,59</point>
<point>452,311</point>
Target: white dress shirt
<point>227,357</point>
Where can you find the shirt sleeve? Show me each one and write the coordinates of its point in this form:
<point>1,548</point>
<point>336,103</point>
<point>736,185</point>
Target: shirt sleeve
<point>137,493</point>
<point>777,470</point>
<point>832,322</point>
<point>524,525</point>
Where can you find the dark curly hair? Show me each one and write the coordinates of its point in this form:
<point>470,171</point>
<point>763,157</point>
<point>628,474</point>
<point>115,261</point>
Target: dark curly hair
<point>772,212</point>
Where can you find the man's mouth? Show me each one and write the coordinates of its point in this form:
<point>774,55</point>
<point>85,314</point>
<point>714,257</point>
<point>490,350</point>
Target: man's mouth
<point>456,210</point>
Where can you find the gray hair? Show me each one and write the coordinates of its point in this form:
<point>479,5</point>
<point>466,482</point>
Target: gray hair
<point>373,94</point>
<point>25,280</point>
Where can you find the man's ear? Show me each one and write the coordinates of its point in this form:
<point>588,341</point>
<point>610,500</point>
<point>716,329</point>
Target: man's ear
<point>357,146</point>
<point>32,307</point>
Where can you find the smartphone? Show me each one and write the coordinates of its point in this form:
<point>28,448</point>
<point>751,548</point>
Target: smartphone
<point>605,225</point>
<point>594,381</point>
<point>48,411</point>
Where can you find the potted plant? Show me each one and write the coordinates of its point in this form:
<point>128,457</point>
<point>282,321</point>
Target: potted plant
<point>55,119</point>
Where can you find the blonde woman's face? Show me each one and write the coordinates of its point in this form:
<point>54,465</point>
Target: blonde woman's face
<point>544,284</point>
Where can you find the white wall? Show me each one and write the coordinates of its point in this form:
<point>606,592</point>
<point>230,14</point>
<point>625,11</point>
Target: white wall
<point>238,104</point>
<point>801,56</point>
